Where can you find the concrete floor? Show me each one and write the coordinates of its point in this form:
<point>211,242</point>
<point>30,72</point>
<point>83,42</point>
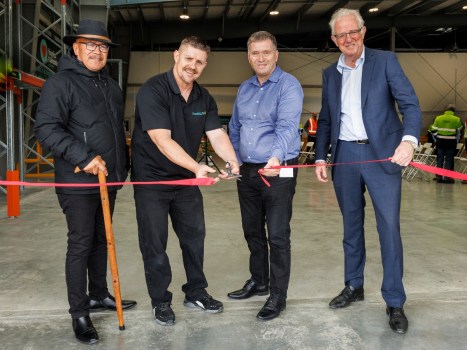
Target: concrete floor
<point>33,306</point>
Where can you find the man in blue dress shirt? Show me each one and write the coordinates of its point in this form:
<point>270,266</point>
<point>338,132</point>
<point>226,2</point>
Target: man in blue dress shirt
<point>263,131</point>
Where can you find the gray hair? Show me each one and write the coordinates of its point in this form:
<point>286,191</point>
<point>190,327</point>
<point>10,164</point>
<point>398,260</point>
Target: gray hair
<point>345,12</point>
<point>197,43</point>
<point>260,36</point>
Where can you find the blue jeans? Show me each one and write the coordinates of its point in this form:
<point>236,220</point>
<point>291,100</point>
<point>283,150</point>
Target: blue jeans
<point>267,207</point>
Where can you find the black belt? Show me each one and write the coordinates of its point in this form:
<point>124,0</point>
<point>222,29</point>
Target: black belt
<point>360,142</point>
<point>291,161</point>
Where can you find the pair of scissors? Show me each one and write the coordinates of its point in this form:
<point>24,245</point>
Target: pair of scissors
<point>230,174</point>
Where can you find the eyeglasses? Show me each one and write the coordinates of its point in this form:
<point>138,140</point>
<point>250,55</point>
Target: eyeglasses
<point>92,46</point>
<point>353,34</point>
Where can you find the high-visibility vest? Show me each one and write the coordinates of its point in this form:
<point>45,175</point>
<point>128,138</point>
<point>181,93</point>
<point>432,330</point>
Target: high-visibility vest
<point>312,126</point>
<point>447,126</point>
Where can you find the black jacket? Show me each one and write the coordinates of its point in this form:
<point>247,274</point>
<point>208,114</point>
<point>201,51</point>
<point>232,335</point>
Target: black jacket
<point>80,116</point>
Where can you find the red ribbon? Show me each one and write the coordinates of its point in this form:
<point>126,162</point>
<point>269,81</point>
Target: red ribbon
<point>208,181</point>
<point>204,181</point>
<point>439,171</point>
<point>424,167</point>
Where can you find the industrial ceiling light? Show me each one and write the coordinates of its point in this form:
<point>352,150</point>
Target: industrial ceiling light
<point>444,30</point>
<point>185,15</point>
<point>274,13</point>
<point>373,9</point>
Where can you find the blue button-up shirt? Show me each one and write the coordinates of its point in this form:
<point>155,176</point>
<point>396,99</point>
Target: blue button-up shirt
<point>352,127</point>
<point>265,118</point>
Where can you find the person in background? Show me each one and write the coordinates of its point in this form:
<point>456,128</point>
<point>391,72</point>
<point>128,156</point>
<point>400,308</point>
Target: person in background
<point>311,126</point>
<point>172,114</point>
<point>359,119</point>
<point>85,136</point>
<point>429,134</point>
<point>446,130</point>
<point>263,131</point>
<point>465,146</point>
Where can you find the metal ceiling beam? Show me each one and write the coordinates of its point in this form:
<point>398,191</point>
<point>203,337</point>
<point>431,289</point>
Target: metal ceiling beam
<point>328,14</point>
<point>227,8</point>
<point>400,7</point>
<point>422,7</point>
<point>121,17</point>
<point>302,10</point>
<point>167,33</point>
<point>299,14</point>
<point>455,7</point>
<point>161,7</point>
<point>142,20</point>
<point>249,9</point>
<point>135,2</point>
<point>206,8</point>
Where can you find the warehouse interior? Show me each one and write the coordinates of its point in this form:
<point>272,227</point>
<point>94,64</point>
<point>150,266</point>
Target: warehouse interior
<point>430,39</point>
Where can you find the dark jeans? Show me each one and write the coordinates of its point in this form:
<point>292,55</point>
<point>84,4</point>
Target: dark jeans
<point>446,153</point>
<point>86,255</point>
<point>270,207</point>
<point>184,205</point>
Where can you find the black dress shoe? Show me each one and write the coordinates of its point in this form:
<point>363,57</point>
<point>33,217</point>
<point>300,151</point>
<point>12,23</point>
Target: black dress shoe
<point>109,304</point>
<point>348,295</point>
<point>249,289</point>
<point>84,330</point>
<point>273,307</point>
<point>397,319</point>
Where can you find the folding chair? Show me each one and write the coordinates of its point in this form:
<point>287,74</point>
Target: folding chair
<point>307,155</point>
<point>407,172</point>
<point>459,160</point>
<point>425,156</point>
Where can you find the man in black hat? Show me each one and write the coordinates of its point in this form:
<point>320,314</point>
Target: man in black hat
<point>80,119</point>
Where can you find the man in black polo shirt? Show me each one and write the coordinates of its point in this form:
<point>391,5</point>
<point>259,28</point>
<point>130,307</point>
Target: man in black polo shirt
<point>172,113</point>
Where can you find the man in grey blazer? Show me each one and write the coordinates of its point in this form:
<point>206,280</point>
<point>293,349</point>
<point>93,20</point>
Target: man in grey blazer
<point>359,121</point>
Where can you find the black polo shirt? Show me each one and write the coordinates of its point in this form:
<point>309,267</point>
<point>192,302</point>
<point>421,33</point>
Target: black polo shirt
<point>160,105</point>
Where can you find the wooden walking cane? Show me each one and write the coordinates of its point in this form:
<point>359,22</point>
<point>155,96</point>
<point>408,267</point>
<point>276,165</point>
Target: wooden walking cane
<point>111,248</point>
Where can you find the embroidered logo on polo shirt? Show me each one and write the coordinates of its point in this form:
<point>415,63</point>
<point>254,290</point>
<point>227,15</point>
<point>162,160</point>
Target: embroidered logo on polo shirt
<point>199,113</point>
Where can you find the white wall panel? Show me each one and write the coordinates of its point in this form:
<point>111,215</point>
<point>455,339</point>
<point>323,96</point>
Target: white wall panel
<point>438,78</point>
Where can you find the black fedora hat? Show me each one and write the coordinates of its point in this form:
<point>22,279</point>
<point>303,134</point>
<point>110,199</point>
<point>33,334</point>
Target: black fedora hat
<point>90,29</point>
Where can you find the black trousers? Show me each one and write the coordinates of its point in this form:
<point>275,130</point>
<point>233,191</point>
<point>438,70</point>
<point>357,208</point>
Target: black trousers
<point>86,256</point>
<point>267,207</point>
<point>446,153</point>
<point>184,205</point>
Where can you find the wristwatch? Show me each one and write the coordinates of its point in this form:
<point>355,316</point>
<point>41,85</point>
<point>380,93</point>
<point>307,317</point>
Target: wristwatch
<point>413,144</point>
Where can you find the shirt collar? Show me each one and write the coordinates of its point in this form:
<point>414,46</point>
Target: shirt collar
<point>274,78</point>
<point>341,62</point>
<point>174,86</point>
